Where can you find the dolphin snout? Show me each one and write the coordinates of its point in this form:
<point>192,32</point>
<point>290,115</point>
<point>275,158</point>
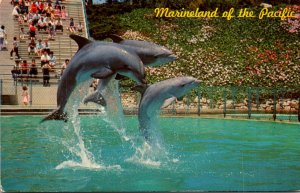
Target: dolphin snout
<point>197,82</point>
<point>172,57</point>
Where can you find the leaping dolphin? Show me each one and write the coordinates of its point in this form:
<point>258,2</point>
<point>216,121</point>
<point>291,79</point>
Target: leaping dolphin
<point>157,94</point>
<point>95,59</point>
<point>150,53</point>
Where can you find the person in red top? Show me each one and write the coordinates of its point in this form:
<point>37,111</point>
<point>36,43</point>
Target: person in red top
<point>32,30</point>
<point>25,67</point>
<point>41,8</point>
<point>33,8</point>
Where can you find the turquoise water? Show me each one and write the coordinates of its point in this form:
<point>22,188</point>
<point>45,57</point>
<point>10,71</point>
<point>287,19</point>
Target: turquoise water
<point>192,154</point>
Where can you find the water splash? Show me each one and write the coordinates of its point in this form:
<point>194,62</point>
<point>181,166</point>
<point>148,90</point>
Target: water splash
<point>76,145</point>
<point>114,114</point>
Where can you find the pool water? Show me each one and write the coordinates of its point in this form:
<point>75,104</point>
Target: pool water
<point>89,154</point>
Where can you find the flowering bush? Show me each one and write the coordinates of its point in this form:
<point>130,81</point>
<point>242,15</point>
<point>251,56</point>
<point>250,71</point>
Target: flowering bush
<point>249,52</point>
<point>292,25</point>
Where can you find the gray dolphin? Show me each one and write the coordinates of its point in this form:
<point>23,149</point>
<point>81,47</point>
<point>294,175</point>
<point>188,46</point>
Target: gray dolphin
<point>150,53</point>
<point>95,59</point>
<point>159,93</point>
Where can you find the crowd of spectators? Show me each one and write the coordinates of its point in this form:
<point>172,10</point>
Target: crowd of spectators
<point>40,16</point>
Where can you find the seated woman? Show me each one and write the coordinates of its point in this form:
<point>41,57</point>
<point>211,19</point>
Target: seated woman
<point>46,46</point>
<point>57,13</point>
<point>44,58</point>
<point>72,26</point>
<point>64,13</point>
<point>52,61</point>
<point>39,48</point>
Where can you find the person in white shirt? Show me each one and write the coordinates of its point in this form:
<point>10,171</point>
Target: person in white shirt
<point>52,61</point>
<point>42,24</point>
<point>3,36</point>
<point>45,58</point>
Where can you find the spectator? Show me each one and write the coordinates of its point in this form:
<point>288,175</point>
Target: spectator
<point>32,31</point>
<point>72,25</point>
<point>46,46</point>
<point>42,24</point>
<point>34,8</point>
<point>31,47</point>
<point>25,69</point>
<point>57,2</point>
<point>46,74</point>
<point>27,4</point>
<point>41,8</point>
<point>23,8</point>
<point>52,61</point>
<point>44,58</point>
<point>3,36</point>
<point>16,11</point>
<point>57,13</point>
<point>48,10</point>
<point>25,95</point>
<point>15,49</point>
<point>64,13</point>
<point>22,34</point>
<point>79,27</point>
<point>51,31</point>
<point>39,48</point>
<point>35,19</point>
<point>64,66</point>
<point>59,25</point>
<point>25,18</point>
<point>16,71</point>
<point>33,69</point>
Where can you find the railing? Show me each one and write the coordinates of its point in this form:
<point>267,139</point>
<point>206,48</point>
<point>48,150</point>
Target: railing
<point>204,101</point>
<point>86,21</point>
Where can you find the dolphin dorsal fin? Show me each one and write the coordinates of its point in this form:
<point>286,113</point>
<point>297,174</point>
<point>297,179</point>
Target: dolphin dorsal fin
<point>81,41</point>
<point>116,38</point>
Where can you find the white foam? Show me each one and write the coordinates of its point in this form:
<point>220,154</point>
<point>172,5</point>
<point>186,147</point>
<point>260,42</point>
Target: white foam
<point>89,166</point>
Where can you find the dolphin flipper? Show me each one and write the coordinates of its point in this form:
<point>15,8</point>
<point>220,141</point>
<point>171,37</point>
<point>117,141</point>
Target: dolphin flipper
<point>95,97</point>
<point>81,41</point>
<point>116,38</point>
<point>104,73</point>
<point>140,88</point>
<point>168,101</point>
<point>56,115</point>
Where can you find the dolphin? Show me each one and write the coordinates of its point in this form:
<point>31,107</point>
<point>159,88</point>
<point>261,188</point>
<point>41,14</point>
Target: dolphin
<point>156,95</point>
<point>95,59</point>
<point>150,54</point>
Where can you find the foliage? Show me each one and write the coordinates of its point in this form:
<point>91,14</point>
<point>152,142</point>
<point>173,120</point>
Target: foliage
<point>242,51</point>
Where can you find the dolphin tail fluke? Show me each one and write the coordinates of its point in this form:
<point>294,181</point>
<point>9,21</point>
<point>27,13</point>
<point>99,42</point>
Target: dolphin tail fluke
<point>95,97</point>
<point>81,41</point>
<point>56,115</point>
